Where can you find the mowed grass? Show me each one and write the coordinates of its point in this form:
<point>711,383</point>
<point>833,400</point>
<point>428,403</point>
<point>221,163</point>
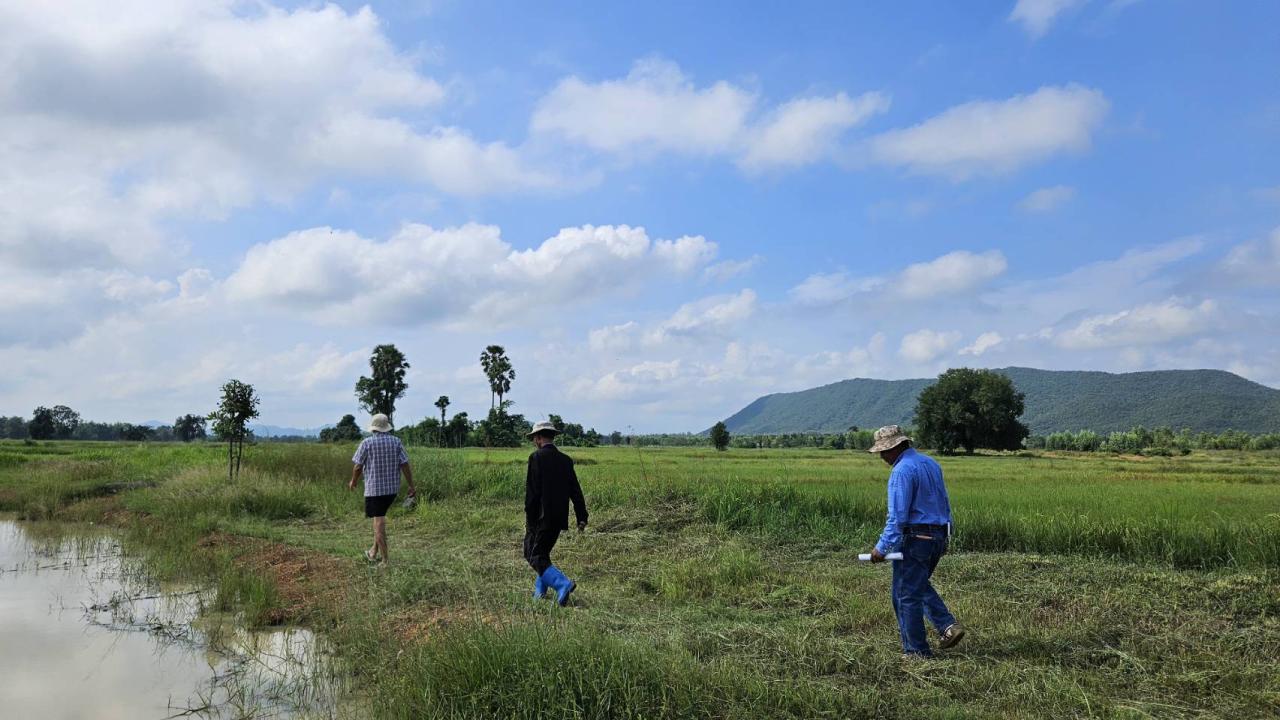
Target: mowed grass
<point>723,585</point>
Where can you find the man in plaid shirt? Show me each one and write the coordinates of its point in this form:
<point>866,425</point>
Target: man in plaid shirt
<point>380,459</point>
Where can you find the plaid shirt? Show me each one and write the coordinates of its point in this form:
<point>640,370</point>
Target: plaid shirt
<point>380,456</point>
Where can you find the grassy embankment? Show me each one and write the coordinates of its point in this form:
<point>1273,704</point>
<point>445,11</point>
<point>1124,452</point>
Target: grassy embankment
<point>722,585</point>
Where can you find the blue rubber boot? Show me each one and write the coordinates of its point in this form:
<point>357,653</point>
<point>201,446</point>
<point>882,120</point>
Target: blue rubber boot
<point>558,582</point>
<point>539,588</point>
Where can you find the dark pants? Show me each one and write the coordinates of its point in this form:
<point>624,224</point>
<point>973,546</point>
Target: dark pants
<point>913,595</point>
<point>538,542</point>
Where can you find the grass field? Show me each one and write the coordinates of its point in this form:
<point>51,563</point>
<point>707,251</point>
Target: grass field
<point>724,584</point>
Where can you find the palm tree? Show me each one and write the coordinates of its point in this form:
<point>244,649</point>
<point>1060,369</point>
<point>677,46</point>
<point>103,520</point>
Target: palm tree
<point>443,403</point>
<point>497,368</point>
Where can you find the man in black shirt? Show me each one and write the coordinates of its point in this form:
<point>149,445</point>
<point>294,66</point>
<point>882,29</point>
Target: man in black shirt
<point>550,485</point>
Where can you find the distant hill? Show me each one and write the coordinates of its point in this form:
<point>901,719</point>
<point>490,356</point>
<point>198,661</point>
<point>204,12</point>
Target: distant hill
<point>277,431</point>
<point>1203,400</point>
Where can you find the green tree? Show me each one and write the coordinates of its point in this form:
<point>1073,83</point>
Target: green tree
<point>65,421</point>
<point>456,432</point>
<point>378,394</point>
<point>345,431</point>
<point>189,427</point>
<point>15,428</point>
<point>720,436</point>
<point>442,402</point>
<point>239,405</point>
<point>615,438</point>
<point>41,426</point>
<point>970,409</point>
<point>497,368</point>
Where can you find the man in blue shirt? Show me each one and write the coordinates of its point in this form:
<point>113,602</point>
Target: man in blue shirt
<point>919,526</point>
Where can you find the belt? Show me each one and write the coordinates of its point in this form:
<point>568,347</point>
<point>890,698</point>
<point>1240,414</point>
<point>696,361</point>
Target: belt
<point>925,528</point>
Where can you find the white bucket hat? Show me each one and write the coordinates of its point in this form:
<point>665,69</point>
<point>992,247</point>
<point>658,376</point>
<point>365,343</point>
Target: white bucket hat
<point>379,423</point>
<point>543,427</point>
<point>887,438</point>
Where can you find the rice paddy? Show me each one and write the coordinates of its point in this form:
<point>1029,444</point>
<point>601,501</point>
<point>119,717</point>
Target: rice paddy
<point>725,585</point>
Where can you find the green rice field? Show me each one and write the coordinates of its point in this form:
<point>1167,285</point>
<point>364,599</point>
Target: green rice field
<point>725,585</point>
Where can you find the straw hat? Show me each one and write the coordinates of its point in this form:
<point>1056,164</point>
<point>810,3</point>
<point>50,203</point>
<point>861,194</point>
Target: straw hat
<point>887,438</point>
<point>379,423</point>
<point>543,427</point>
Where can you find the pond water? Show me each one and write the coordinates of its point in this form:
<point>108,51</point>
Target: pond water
<point>86,633</point>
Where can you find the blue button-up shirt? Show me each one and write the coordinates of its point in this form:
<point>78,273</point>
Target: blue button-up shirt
<point>917,496</point>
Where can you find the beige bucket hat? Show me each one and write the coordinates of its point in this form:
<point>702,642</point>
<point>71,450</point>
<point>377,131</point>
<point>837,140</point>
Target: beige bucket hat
<point>543,427</point>
<point>379,423</point>
<point>887,438</point>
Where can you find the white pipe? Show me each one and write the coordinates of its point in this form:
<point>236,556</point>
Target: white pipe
<point>866,557</point>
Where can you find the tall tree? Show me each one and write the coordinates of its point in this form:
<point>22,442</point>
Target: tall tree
<point>720,436</point>
<point>378,394</point>
<point>189,427</point>
<point>497,368</point>
<point>970,409</point>
<point>65,421</point>
<point>41,426</point>
<point>239,405</point>
<point>442,402</point>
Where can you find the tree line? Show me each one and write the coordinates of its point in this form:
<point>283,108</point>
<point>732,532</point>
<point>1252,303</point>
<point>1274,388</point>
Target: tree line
<point>379,391</point>
<point>62,423</point>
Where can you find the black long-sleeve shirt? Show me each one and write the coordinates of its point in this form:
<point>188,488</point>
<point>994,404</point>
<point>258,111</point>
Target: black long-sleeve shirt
<point>550,485</point>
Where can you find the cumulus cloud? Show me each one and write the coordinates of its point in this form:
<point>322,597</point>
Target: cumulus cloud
<point>989,137</point>
<point>708,316</point>
<point>1149,324</point>
<point>118,116</point>
<point>982,343</point>
<point>1047,199</point>
<point>454,275</point>
<point>954,273</point>
<point>805,130</point>
<point>656,107</point>
<point>1037,15</point>
<point>925,345</point>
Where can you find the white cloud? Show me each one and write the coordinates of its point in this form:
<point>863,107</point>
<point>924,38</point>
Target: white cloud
<point>456,275</point>
<point>925,345</point>
<point>727,270</point>
<point>1047,199</point>
<point>708,316</point>
<point>831,288</point>
<point>1254,263</point>
<point>952,273</point>
<point>805,130</point>
<point>656,107</point>
<point>613,338</point>
<point>985,137</point>
<point>1037,15</point>
<point>119,116</point>
<point>1148,324</point>
<point>982,343</point>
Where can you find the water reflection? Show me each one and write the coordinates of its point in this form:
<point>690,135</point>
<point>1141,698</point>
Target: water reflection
<point>86,633</point>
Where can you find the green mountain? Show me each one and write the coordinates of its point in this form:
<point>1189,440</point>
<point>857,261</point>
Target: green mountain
<point>1203,400</point>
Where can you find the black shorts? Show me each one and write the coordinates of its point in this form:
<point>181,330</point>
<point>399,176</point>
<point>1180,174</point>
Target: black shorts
<point>376,505</point>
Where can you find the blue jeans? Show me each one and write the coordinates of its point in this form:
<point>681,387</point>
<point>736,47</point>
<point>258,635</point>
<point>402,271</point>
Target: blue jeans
<point>913,596</point>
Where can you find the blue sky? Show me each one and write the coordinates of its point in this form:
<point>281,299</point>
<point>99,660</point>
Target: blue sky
<point>662,210</point>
